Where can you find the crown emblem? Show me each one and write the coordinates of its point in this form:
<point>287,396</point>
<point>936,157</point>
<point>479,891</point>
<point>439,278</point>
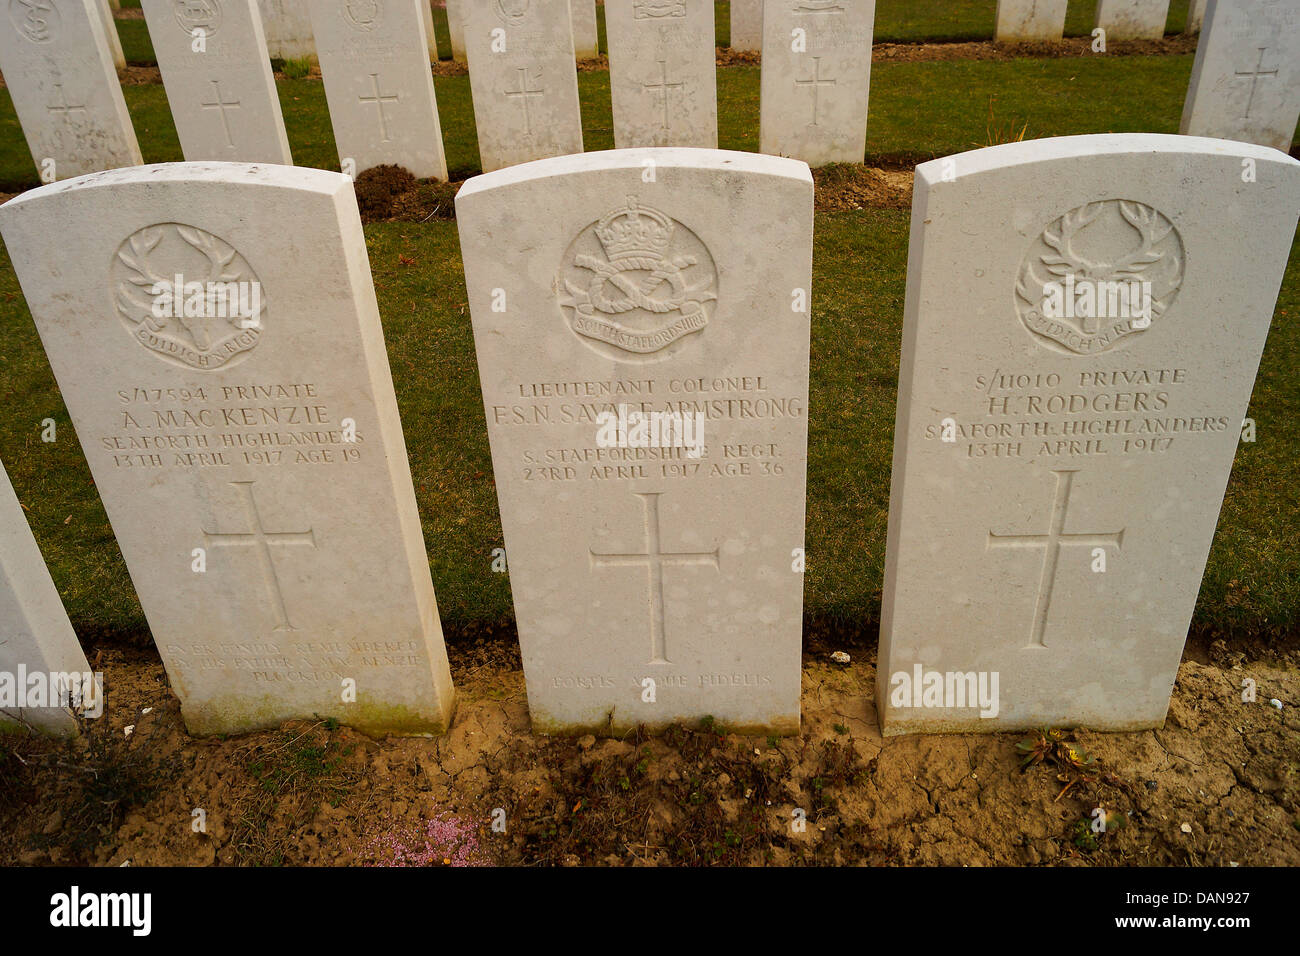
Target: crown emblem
<point>635,232</point>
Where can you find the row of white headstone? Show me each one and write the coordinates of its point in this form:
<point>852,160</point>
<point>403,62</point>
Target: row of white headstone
<point>815,80</point>
<point>1028,20</point>
<point>1065,431</point>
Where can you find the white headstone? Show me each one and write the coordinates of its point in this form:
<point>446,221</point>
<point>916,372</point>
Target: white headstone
<point>218,78</point>
<point>110,32</point>
<point>1246,77</point>
<point>288,29</point>
<point>456,29</point>
<point>747,25</point>
<point>57,67</point>
<point>375,65</point>
<point>1083,324</point>
<point>816,79</point>
<point>36,637</point>
<point>523,79</point>
<point>654,570</point>
<point>662,66</point>
<point>1195,16</point>
<point>250,456</point>
<point>1133,19</point>
<point>586,42</point>
<point>1020,20</point>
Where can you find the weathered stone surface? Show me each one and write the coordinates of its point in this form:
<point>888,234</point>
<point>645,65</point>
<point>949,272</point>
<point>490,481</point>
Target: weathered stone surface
<point>656,573</point>
<point>1133,19</point>
<point>1246,77</point>
<point>524,80</point>
<point>1083,324</point>
<point>60,77</point>
<point>747,25</point>
<point>248,449</point>
<point>288,29</point>
<point>586,43</point>
<point>662,73</point>
<point>36,637</point>
<point>378,84</point>
<point>1024,20</point>
<point>1195,16</point>
<point>218,78</point>
<point>816,79</point>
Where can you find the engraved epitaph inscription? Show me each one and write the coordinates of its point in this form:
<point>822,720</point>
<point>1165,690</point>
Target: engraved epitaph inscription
<point>637,283</point>
<point>1106,245</point>
<point>153,258</point>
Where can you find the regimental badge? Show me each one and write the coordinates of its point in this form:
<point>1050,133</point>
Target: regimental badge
<point>512,12</point>
<point>37,20</point>
<point>363,15</point>
<point>195,15</point>
<point>637,283</point>
<point>1098,274</point>
<point>187,296</point>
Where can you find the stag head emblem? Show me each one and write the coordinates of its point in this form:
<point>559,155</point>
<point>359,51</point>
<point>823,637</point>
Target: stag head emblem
<point>156,277</point>
<point>1099,273</point>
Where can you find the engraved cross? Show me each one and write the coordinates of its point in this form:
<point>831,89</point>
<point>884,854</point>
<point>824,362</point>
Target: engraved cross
<point>1254,75</point>
<point>662,88</point>
<point>262,539</point>
<point>654,558</point>
<point>816,83</point>
<point>379,100</point>
<point>523,93</point>
<point>219,104</point>
<point>1052,542</point>
<point>63,106</point>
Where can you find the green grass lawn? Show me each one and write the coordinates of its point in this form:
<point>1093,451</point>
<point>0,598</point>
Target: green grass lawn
<point>918,110</point>
<point>1252,583</point>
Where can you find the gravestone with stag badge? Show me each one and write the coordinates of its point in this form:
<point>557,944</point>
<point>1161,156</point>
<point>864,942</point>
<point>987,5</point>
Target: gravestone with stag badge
<point>662,73</point>
<point>219,349</point>
<point>816,79</point>
<point>642,340</point>
<point>379,85</point>
<point>59,73</point>
<point>212,55</point>
<point>1246,77</point>
<point>523,79</point>
<point>1083,324</point>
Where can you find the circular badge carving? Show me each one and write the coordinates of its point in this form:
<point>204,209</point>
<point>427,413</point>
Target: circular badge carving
<point>187,296</point>
<point>194,15</point>
<point>638,283</point>
<point>363,15</point>
<point>37,20</point>
<point>512,12</point>
<point>1098,274</point>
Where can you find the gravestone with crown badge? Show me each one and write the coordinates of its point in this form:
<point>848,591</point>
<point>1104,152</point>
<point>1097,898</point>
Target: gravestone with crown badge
<point>1029,20</point>
<point>816,79</point>
<point>523,79</point>
<point>44,677</point>
<point>229,383</point>
<point>379,85</point>
<point>60,76</point>
<point>662,73</point>
<point>212,55</point>
<point>1083,324</point>
<point>1246,77</point>
<point>656,562</point>
<point>1132,19</point>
